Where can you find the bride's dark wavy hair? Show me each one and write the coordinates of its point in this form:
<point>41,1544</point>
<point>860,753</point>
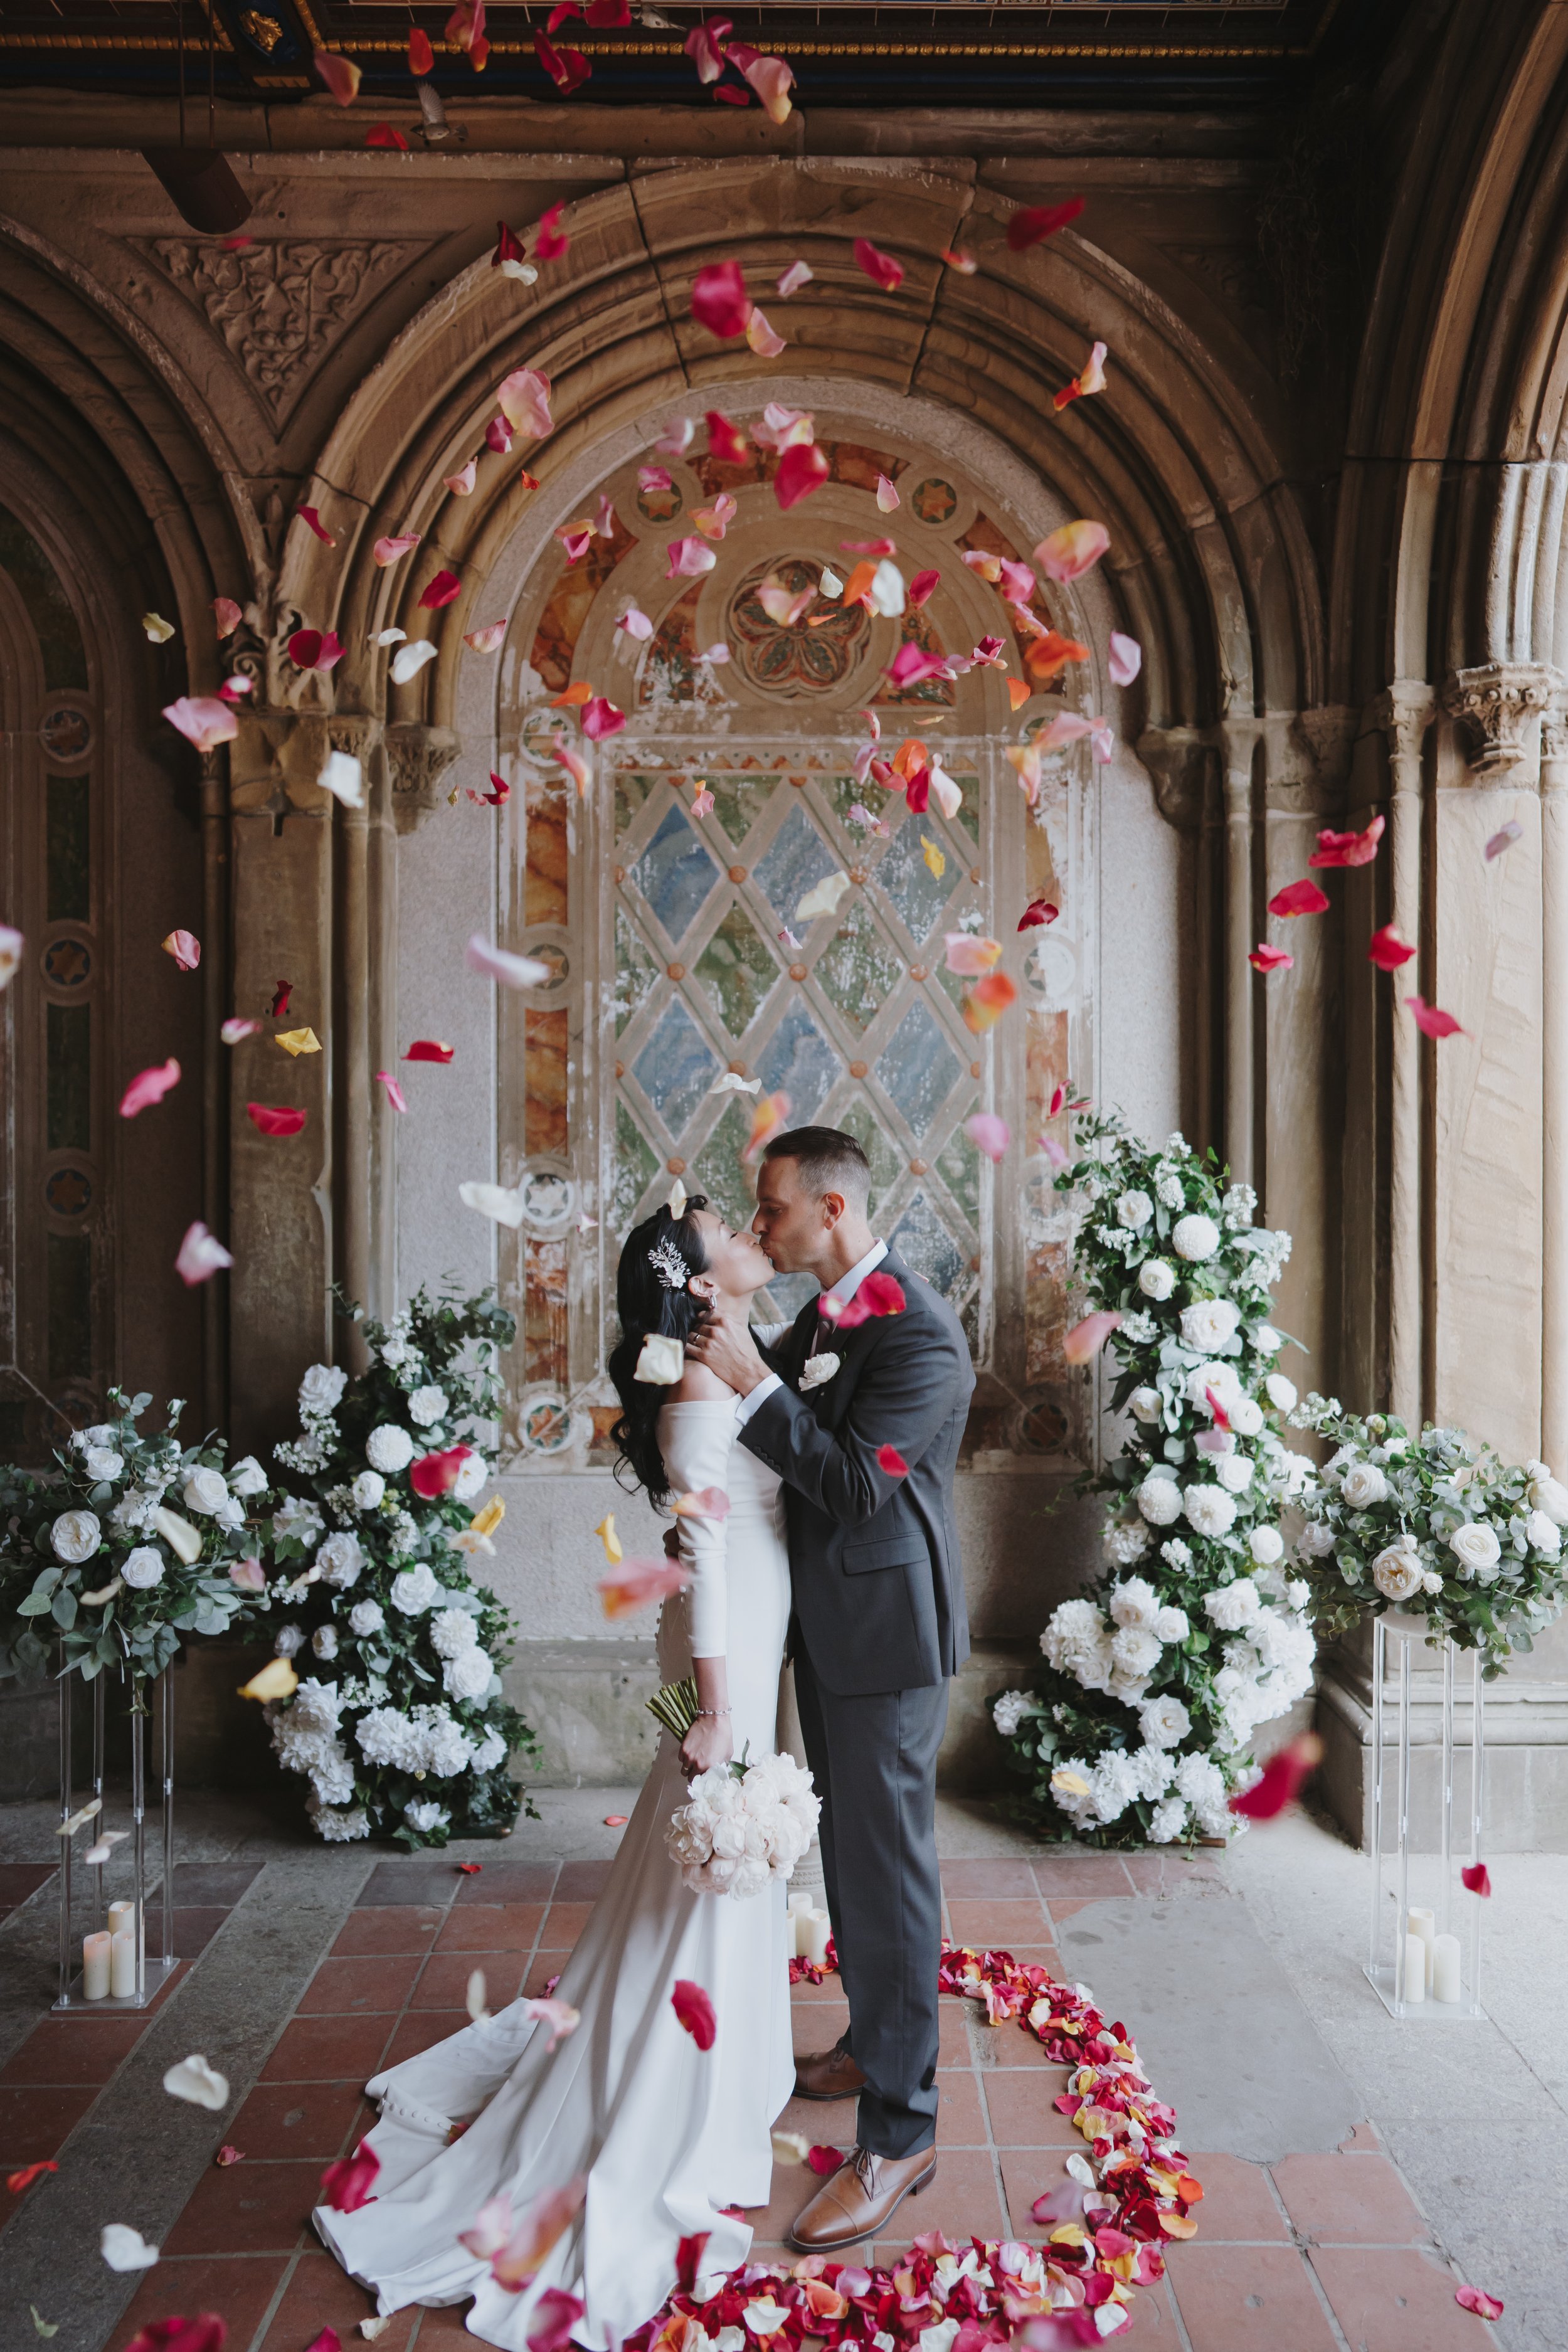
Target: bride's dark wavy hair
<point>645,1304</point>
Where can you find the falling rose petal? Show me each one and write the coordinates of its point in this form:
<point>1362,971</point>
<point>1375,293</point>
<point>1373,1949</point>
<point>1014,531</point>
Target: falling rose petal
<point>714,522</point>
<point>228,2153</point>
<point>912,665</point>
<point>706,1503</point>
<point>507,1207</point>
<point>1037,912</point>
<point>1126,659</point>
<point>1349,848</point>
<point>436,1474</point>
<point>125,2249</point>
<point>600,718</point>
<point>876,1296</point>
<point>382,134</point>
<point>704,45</point>
<point>936,863</point>
<point>276,1118</point>
<point>236,689</point>
<point>523,399</point>
<point>761,338</point>
<point>797,275</point>
<point>248,1575</point>
<point>236,1030</point>
<point>575,696</point>
<point>1431,1020</point>
<point>1299,899</point>
<point>1025,758</point>
<point>964,263</point>
<point>186,948</point>
<point>445,589</point>
<point>275,1679</point>
<point>635,624</point>
<point>148,1086</point>
<point>783,606</point>
<point>1279,1782</point>
<point>887,595</point>
<point>1265,958</point>
<point>719,301</point>
<point>227,616</point>
<point>200,1256</point>
<point>315,649</point>
<point>726,441</point>
<point>429,1049</point>
<point>17,2181</point>
<point>421,57</point>
<point>394,1093</point>
<point>1503,840</point>
<point>892,1462</point>
<point>490,638</point>
<point>689,559</point>
<point>823,898</point>
<point>773,81</point>
<point>986,1002</point>
<point>695,2012</point>
<point>637,1583</point>
<point>887,494</point>
<point>574,762</point>
<point>349,2184</point>
<point>651,479</point>
<point>971,956</point>
<point>1388,950</point>
<point>1093,379</point>
<point>768,1117</point>
<point>510,257</point>
<point>1475,1878</point>
<point>199,2085</point>
<point>341,75</point>
<point>279,1008</point>
<point>988,1134</point>
<point>702,802</point>
<point>823,2159</point>
<point>511,970</point>
<point>1027,226</point>
<point>1053,1151</point>
<point>802,469</point>
<point>879,268</point>
<point>461,484</point>
<point>203,721</point>
<point>1476,2299</point>
<point>567,68</point>
<point>1085,1340</point>
<point>296,1042</point>
<point>1072,551</point>
<point>922,588</point>
<point>310,518</point>
<point>410,660</point>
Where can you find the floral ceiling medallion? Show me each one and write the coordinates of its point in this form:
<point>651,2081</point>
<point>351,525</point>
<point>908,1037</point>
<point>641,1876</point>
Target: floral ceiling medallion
<point>793,664</point>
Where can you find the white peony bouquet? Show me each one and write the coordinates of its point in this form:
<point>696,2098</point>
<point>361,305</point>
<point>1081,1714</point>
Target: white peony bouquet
<point>1436,1525</point>
<point>742,1825</point>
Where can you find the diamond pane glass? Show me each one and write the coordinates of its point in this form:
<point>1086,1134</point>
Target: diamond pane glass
<point>921,1236</point>
<point>738,800</point>
<point>675,1067</point>
<point>918,1067</point>
<point>917,893</point>
<point>632,1171</point>
<point>636,971</point>
<point>798,1061</point>
<point>718,1170</point>
<point>969,814</point>
<point>857,970</point>
<point>859,1121</point>
<point>798,860</point>
<point>674,873</point>
<point>737,970</point>
<point>631,793</point>
<point>959,1166</point>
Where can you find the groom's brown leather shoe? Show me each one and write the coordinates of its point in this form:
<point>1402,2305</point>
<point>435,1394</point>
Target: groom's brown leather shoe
<point>858,2199</point>
<point>827,2074</point>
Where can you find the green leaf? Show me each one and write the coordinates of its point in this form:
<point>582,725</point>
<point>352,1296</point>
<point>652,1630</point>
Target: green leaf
<point>63,1607</point>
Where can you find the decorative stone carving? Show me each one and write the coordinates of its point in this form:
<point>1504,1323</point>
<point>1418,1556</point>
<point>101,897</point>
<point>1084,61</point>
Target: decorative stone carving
<point>1179,760</point>
<point>1499,707</point>
<point>1329,732</point>
<point>417,757</point>
<point>278,305</point>
<point>1404,710</point>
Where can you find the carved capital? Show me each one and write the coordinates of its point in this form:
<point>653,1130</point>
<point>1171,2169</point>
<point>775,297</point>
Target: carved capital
<point>1179,760</point>
<point>1554,743</point>
<point>417,757</point>
<point>1404,711</point>
<point>1327,733</point>
<point>1497,707</point>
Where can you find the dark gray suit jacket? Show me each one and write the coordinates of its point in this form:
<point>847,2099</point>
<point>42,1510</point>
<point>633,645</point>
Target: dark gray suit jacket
<point>878,1582</point>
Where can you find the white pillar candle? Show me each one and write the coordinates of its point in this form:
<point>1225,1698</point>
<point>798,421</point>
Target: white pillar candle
<point>122,1966</point>
<point>1414,1967</point>
<point>122,1919</point>
<point>95,1960</point>
<point>815,1930</point>
<point>1423,1923</point>
<point>1445,1984</point>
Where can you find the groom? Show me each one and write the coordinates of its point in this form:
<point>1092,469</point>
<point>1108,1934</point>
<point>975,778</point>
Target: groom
<point>879,1627</point>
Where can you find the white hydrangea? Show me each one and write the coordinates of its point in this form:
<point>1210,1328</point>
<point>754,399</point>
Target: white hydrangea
<point>1010,1709</point>
<point>1200,1780</point>
<point>366,1617</point>
<point>1164,1721</point>
<point>1238,1204</point>
<point>1232,1606</point>
<point>1159,1499</point>
<point>490,1751</point>
<point>339,1824</point>
<point>446,1745</point>
<point>386,1736</point>
<point>430,1739</point>
<point>315,1706</point>
<point>1209,1509</point>
<point>1179,1555</point>
<point>453,1632</point>
<point>1113,1785</point>
<point>321,1390</point>
<point>389,1448</point>
<point>297,1518</point>
<point>367,1490</point>
<point>1122,1541</point>
<point>1152,1770</point>
<point>341,1561</point>
<point>426,1406</point>
<point>131,1512</point>
<point>1167,1822</point>
<point>424,1814</point>
<point>467,1675</point>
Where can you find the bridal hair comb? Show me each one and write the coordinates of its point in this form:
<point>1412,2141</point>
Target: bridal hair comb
<point>669,1264</point>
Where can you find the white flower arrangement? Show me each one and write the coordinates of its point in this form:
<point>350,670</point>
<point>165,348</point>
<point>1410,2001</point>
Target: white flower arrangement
<point>1157,1677</point>
<point>742,1826</point>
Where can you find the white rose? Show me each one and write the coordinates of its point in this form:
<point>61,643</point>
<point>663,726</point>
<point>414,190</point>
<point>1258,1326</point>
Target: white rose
<point>1010,1709</point>
<point>102,1462</point>
<point>1396,1571</point>
<point>340,1560</point>
<point>1135,1209</point>
<point>1159,1499</point>
<point>1547,1496</point>
<point>366,1617</point>
<point>1209,1509</point>
<point>205,1490</point>
<point>144,1568</point>
<point>1281,1392</point>
<point>1362,1486</point>
<point>1165,1722</point>
<point>1266,1545</point>
<point>1544,1534</point>
<point>247,1478</point>
<point>415,1590</point>
<point>367,1490</point>
<point>470,1478</point>
<point>320,1388</point>
<point>1233,1471</point>
<point>389,1448</point>
<point>1210,1325</point>
<point>1221,1377</point>
<point>490,1751</point>
<point>467,1675</point>
<point>1170,1623</point>
<point>1475,1546</point>
<point>1194,1238</point>
<point>1134,1601</point>
<point>427,1405</point>
<point>289,1641</point>
<point>102,1433</point>
<point>1317,1541</point>
<point>74,1537</point>
<point>1232,1606</point>
<point>1156,1279</point>
<point>1267,1339</point>
<point>1145,1405</point>
<point>324,1641</point>
<point>1245,1416</point>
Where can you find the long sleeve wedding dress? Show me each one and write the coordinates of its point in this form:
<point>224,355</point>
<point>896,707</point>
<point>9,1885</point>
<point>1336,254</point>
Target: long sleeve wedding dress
<point>669,2136</point>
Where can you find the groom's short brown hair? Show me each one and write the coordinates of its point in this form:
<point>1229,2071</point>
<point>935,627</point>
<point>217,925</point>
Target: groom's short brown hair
<point>829,1160</point>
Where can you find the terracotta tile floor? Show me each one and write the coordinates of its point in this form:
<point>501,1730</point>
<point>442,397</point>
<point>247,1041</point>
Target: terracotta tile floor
<point>1316,2254</point>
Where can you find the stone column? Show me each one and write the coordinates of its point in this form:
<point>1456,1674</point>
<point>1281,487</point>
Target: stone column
<point>1239,742</point>
<point>1554,1087</point>
<point>1405,712</point>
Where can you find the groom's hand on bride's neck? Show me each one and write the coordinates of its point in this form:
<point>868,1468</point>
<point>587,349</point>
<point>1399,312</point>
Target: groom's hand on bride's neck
<point>727,1348</point>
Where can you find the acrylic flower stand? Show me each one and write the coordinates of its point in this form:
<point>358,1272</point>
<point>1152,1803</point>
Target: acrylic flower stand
<point>1455,1910</point>
<point>151,1974</point>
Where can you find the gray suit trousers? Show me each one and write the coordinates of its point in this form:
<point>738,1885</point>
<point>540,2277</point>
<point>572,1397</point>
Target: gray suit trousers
<point>876,1754</point>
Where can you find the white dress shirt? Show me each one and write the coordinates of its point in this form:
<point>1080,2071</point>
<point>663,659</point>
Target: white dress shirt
<point>843,1290</point>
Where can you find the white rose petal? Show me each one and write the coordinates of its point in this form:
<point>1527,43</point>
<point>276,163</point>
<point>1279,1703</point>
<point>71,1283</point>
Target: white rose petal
<point>1281,1392</point>
<point>125,2249</point>
<point>184,1541</point>
<point>201,2084</point>
<point>1544,1534</point>
<point>1547,1496</point>
<point>661,1361</point>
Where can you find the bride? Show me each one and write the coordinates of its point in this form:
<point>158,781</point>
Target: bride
<point>670,2137</point>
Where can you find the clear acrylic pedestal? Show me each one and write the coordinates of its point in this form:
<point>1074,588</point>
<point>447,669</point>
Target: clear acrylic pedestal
<point>1392,1809</point>
<point>151,1973</point>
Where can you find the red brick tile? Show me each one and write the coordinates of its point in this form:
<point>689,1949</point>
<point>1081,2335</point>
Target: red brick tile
<point>1390,2300</point>
<point>1349,2201</point>
<point>508,1881</point>
<point>34,2121</point>
<point>819,2026</point>
<point>564,1922</point>
<point>321,2295</point>
<point>421,2030</point>
<point>1249,2299</point>
<point>1238,2206</point>
<point>248,2209</point>
<point>961,2118</point>
<point>1028,2173</point>
<point>1063,1906</point>
<point>327,2050</point>
<point>491,1927</point>
<point>295,2119</point>
<point>964,2200</point>
<point>582,1882</point>
<point>1081,1874</point>
<point>953,2033</point>
<point>968,1881</point>
<point>540,1970</point>
<point>997,1924</point>
<point>444,1983</point>
<point>194,1930</point>
<point>444,2326</point>
<point>367,1986</point>
<point>395,1927</point>
<point>74,2049</point>
<point>237,2286</point>
<point>20,1879</point>
<point>830,1988</point>
<point>1001,2046</point>
<point>1019,2102</point>
<point>794,2187</point>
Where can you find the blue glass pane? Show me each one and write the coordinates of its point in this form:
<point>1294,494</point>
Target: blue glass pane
<point>798,1061</point>
<point>675,1068</point>
<point>674,873</point>
<point>909,881</point>
<point>798,859</point>
<point>918,1067</point>
<point>924,1240</point>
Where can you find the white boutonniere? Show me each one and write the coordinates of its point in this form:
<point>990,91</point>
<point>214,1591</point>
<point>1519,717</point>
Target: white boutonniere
<point>817,1370</point>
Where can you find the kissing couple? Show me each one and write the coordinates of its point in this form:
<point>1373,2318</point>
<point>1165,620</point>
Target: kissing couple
<point>613,2139</point>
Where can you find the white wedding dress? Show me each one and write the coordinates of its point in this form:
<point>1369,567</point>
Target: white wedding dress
<point>668,2135</point>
